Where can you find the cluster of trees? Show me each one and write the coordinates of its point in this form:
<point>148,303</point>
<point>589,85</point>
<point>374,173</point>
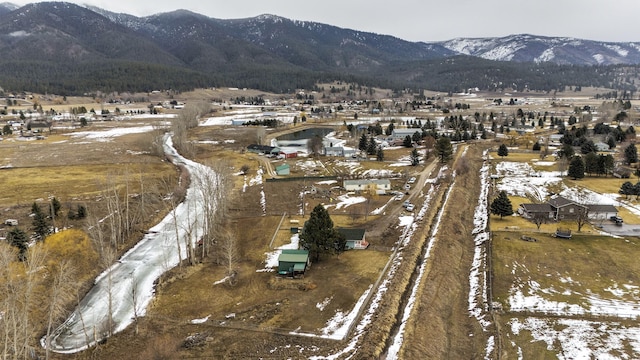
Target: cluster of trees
<point>367,145</point>
<point>67,78</point>
<point>578,136</point>
<point>460,73</point>
<point>37,290</point>
<point>43,224</point>
<point>629,189</point>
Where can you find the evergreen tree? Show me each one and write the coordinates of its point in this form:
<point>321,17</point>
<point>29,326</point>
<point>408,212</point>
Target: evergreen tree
<point>389,130</point>
<point>55,207</point>
<point>443,149</point>
<point>503,151</point>
<point>591,163</point>
<point>362,145</point>
<point>415,157</point>
<point>19,239</point>
<point>588,147</point>
<point>416,137</point>
<point>536,146</point>
<point>407,142</point>
<point>501,205</point>
<point>82,212</point>
<point>576,168</point>
<point>318,235</point>
<point>605,164</point>
<point>631,154</point>
<point>380,154</point>
<point>40,223</point>
<point>627,189</point>
<point>566,152</point>
<point>372,147</point>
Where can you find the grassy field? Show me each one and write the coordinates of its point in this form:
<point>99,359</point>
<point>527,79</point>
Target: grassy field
<point>593,262</point>
<point>590,268</point>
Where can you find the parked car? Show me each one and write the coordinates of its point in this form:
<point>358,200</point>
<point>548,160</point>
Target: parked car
<point>407,187</point>
<point>411,180</point>
<point>406,203</point>
<point>410,207</point>
<point>616,219</point>
<point>399,197</point>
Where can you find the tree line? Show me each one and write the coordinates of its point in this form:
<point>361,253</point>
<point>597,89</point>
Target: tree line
<point>454,75</point>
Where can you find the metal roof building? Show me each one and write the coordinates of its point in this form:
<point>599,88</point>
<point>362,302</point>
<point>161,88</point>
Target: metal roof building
<point>293,262</point>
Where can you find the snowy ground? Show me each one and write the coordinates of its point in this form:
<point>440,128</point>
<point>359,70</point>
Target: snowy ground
<point>564,333</point>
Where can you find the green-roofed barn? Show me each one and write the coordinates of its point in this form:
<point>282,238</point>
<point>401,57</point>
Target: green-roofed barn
<point>293,262</point>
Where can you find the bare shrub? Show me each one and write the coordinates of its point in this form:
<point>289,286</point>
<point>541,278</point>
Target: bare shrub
<point>462,166</point>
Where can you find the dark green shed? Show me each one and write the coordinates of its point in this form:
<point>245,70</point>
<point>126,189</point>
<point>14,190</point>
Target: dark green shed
<point>293,262</point>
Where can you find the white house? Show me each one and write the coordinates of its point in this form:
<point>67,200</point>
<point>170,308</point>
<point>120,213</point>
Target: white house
<point>381,186</point>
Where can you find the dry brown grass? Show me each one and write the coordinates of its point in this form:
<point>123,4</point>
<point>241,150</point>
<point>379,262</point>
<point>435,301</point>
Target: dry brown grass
<point>440,325</point>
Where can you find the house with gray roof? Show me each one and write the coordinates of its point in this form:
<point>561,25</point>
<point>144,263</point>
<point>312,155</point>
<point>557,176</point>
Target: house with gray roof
<point>559,208</point>
<point>355,238</point>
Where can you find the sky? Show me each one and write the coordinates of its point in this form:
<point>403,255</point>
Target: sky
<point>419,20</point>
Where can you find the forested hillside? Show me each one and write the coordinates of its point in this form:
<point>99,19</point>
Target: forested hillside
<point>68,49</point>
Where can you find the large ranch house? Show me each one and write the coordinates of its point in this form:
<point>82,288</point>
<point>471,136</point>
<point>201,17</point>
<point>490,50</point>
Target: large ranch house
<point>559,208</point>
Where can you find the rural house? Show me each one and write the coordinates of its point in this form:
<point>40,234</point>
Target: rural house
<point>355,238</point>
<point>334,151</point>
<point>559,208</point>
<point>537,211</point>
<point>380,186</point>
<point>293,262</point>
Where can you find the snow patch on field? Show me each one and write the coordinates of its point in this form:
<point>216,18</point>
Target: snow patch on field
<point>344,201</point>
<point>271,258</point>
<point>581,339</point>
<point>108,135</point>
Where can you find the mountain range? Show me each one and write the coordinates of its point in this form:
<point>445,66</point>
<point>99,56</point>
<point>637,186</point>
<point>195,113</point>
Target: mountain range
<point>63,47</point>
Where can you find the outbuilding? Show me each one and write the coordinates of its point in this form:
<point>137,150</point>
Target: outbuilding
<point>293,262</point>
<point>288,153</point>
<point>283,169</point>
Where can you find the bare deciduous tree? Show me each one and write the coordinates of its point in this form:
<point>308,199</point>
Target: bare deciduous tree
<point>582,217</point>
<point>61,292</point>
<point>229,255</point>
<point>214,184</point>
<point>315,146</point>
<point>539,219</point>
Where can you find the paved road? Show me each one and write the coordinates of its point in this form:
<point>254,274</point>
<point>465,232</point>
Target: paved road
<point>621,230</point>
